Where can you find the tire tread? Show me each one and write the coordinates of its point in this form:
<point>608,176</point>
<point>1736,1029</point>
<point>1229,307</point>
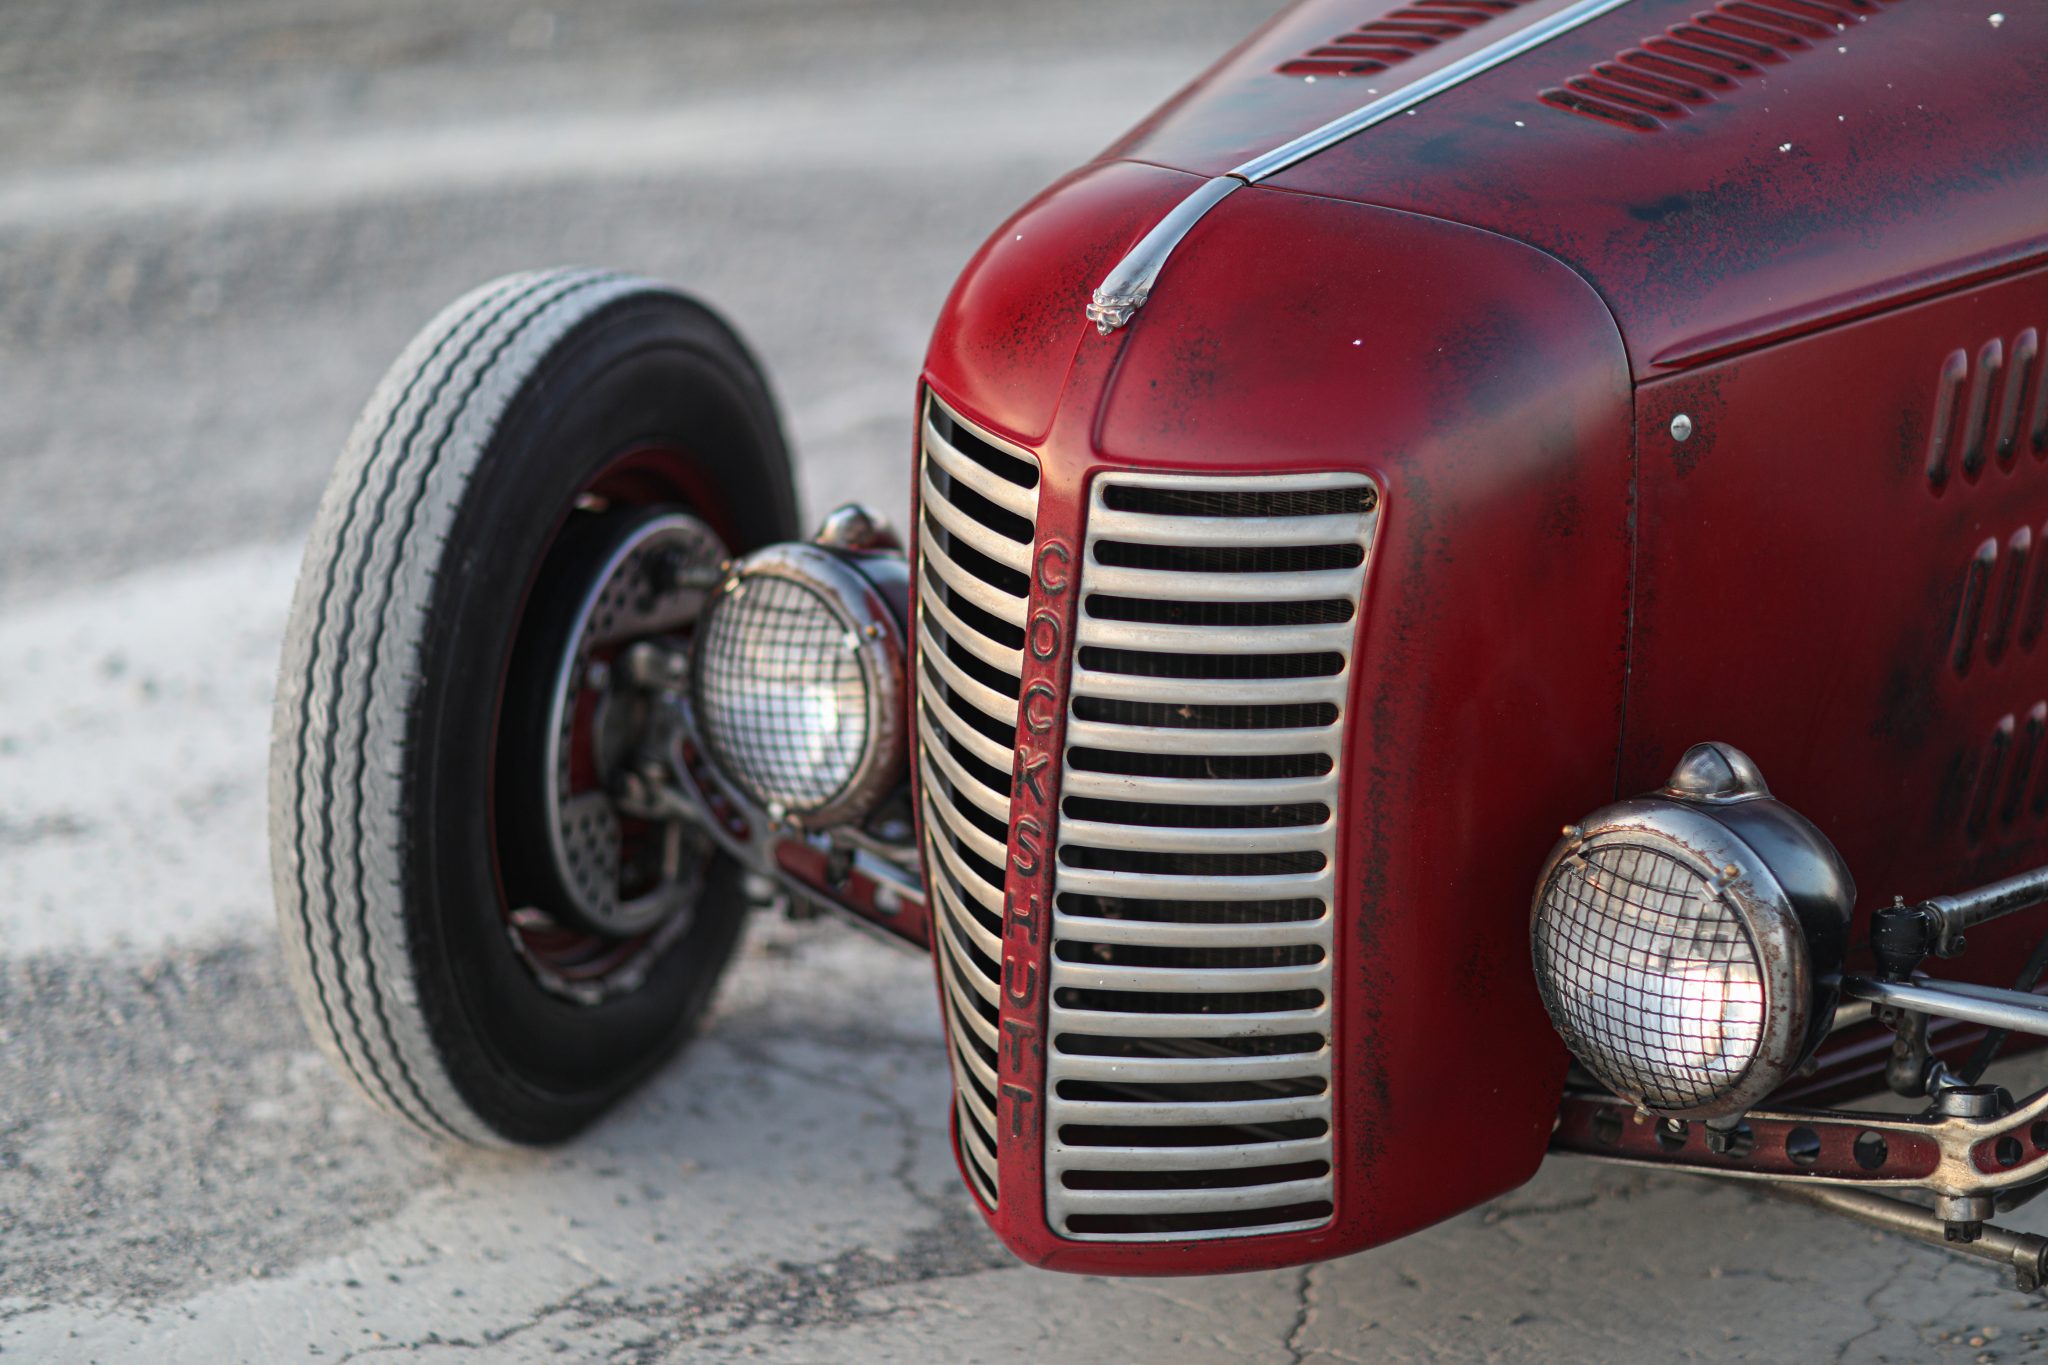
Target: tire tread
<point>350,673</point>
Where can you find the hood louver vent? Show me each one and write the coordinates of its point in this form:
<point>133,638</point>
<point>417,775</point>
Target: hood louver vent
<point>1977,419</point>
<point>1705,58</point>
<point>1407,32</point>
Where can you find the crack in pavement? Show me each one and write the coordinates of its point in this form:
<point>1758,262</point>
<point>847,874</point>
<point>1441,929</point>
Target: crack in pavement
<point>166,1126</point>
<point>494,1337</point>
<point>1497,1214</point>
<point>160,1132</point>
<point>1879,1320</point>
<point>782,1296</point>
<point>909,1122</point>
<point>1303,1309</point>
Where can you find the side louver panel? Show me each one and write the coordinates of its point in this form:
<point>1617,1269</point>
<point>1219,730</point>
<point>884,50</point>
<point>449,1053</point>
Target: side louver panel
<point>978,511</point>
<point>1189,1083</point>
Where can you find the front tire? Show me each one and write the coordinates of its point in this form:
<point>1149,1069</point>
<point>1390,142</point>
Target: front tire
<point>525,410</point>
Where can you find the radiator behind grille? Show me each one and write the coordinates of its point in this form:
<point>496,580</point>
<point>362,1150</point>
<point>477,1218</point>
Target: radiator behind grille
<point>978,508</point>
<point>1189,1081</point>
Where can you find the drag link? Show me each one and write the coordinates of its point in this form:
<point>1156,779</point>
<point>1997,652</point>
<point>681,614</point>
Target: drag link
<point>2024,1253</point>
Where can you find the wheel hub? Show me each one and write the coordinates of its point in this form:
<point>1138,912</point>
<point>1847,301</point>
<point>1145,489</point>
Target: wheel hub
<point>621,875</point>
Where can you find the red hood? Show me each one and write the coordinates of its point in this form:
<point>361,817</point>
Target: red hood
<point>1823,176</point>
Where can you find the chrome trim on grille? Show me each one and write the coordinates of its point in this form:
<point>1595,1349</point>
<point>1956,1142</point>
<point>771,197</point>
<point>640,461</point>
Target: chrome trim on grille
<point>1197,858</point>
<point>971,587</point>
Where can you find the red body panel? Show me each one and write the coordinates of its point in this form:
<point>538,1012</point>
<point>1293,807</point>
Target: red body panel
<point>1826,183</point>
<point>1807,593</point>
<point>1009,332</point>
<point>1495,307</point>
<point>1484,386</point>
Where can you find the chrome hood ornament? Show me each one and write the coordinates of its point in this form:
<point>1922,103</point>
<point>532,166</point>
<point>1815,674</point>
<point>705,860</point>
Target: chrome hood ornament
<point>1124,292</point>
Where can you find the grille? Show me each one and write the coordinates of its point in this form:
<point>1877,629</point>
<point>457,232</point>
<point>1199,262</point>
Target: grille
<point>978,507</point>
<point>1650,976</point>
<point>1189,1080</point>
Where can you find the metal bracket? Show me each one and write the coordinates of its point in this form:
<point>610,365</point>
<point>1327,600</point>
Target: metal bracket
<point>665,786</point>
<point>1973,1143</point>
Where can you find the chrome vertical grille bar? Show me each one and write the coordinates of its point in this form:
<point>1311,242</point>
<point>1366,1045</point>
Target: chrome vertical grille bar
<point>1189,1083</point>
<point>978,509</point>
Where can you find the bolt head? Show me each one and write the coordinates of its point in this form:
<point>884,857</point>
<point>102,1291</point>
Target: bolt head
<point>1681,428</point>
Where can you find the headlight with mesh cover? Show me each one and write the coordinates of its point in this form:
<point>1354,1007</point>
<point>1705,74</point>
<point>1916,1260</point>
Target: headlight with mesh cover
<point>1684,941</point>
<point>797,685</point>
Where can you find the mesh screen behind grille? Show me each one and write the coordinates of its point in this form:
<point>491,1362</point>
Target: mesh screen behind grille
<point>1314,612</point>
<point>1200,765</point>
<point>1190,1085</point>
<point>1148,663</point>
<point>1194,817</point>
<point>1157,500</point>
<point>1198,716</point>
<point>1191,911</point>
<point>1230,558</point>
<point>978,507</point>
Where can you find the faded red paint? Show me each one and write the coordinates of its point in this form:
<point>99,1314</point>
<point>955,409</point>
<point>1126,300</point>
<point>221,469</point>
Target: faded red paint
<point>1837,183</point>
<point>1485,388</point>
<point>1497,322</point>
<point>1800,595</point>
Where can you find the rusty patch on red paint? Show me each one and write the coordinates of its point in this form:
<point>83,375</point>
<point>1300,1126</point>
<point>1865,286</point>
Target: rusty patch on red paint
<point>1704,58</point>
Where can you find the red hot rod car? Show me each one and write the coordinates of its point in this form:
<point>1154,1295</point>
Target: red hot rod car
<point>1431,427</point>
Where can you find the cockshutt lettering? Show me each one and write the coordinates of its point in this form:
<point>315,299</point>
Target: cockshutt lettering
<point>1023,1101</point>
<point>1030,769</point>
<point>1023,915</point>
<point>1030,841</point>
<point>1020,982</point>
<point>1055,562</point>
<point>1036,719</point>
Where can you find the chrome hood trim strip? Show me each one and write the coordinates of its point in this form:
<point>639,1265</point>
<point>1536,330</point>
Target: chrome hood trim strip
<point>1124,291</point>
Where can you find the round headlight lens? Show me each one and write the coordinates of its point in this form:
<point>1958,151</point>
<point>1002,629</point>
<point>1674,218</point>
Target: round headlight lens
<point>795,678</point>
<point>1651,974</point>
<point>1684,941</point>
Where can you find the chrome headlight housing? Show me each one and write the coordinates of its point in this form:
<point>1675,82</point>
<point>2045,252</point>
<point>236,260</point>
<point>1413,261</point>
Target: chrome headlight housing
<point>1683,941</point>
<point>797,683</point>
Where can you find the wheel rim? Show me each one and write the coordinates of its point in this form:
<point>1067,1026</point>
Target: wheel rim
<point>602,895</point>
